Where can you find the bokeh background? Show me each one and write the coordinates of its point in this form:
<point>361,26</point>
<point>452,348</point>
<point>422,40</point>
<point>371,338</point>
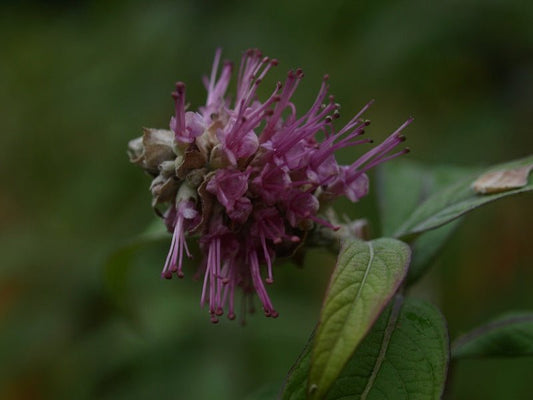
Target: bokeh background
<point>79,79</point>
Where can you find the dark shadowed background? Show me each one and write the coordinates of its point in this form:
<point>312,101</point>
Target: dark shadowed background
<point>79,79</point>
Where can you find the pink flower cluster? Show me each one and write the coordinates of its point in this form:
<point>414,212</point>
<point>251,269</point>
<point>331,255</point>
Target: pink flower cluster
<point>249,177</point>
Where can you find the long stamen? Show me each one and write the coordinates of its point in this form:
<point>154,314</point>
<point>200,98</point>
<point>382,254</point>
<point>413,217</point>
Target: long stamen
<point>323,222</point>
<point>384,147</point>
<point>217,90</point>
<point>355,120</point>
<point>269,279</point>
<point>167,273</point>
<point>290,86</point>
<point>245,124</point>
<point>214,70</point>
<point>206,278</point>
<point>299,133</point>
<point>218,303</point>
<point>383,159</point>
<point>323,154</point>
<point>259,287</point>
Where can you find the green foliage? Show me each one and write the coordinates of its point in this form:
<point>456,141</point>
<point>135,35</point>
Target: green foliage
<point>405,353</point>
<point>404,356</point>
<point>456,200</point>
<point>402,187</point>
<point>420,204</point>
<point>366,277</point>
<point>510,335</point>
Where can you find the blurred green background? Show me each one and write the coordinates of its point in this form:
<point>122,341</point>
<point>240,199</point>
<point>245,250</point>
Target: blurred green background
<point>79,79</point>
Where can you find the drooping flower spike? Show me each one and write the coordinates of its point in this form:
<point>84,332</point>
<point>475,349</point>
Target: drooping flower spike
<point>249,178</point>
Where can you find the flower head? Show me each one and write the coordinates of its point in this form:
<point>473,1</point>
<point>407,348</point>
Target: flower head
<point>249,177</point>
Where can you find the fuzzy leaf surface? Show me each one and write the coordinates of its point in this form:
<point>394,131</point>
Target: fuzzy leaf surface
<point>366,277</point>
<point>404,356</point>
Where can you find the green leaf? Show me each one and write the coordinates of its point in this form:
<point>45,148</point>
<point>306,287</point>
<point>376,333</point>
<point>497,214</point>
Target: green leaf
<point>366,277</point>
<point>510,335</point>
<point>456,200</point>
<point>402,186</point>
<point>404,356</point>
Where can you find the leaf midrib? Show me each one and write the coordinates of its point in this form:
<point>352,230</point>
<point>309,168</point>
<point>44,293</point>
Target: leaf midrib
<point>359,290</point>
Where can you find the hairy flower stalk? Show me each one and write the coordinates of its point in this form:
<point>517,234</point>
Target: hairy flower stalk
<point>249,177</point>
